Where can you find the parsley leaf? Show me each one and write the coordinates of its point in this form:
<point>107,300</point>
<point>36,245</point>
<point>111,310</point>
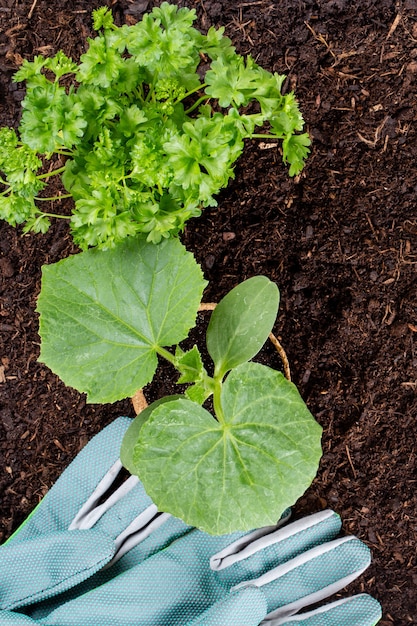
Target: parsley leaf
<point>148,127</point>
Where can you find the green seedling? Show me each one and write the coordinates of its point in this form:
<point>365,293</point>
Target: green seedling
<point>105,319</point>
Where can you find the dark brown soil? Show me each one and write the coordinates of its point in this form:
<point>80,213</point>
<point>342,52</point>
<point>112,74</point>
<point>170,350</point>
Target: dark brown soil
<point>341,243</point>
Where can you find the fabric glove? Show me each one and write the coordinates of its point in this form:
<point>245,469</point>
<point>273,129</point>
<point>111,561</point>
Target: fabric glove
<point>246,578</point>
<point>263,577</point>
<point>78,528</point>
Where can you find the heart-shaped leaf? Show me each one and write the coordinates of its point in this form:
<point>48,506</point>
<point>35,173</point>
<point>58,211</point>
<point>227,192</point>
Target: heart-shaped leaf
<point>103,314</point>
<point>241,323</point>
<point>235,475</point>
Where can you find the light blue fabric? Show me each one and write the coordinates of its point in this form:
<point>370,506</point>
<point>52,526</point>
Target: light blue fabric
<point>176,576</point>
<point>67,558</point>
<point>59,506</point>
<point>309,578</point>
<point>277,547</point>
<point>57,564</point>
<point>246,608</point>
<point>176,586</point>
<point>7,618</point>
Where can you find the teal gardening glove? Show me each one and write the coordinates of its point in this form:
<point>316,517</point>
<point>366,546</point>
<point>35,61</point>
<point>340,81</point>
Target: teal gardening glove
<point>76,531</point>
<point>246,578</point>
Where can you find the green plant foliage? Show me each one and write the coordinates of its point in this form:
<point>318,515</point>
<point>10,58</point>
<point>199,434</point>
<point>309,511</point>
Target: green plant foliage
<point>131,436</point>
<point>236,334</point>
<point>104,315</point>
<point>238,473</point>
<point>149,128</point>
<point>105,318</point>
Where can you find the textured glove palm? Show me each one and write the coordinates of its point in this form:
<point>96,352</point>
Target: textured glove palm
<point>168,574</point>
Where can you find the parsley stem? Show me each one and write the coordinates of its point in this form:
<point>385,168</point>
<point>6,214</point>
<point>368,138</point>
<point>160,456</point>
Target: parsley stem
<point>52,173</point>
<point>61,197</point>
<point>61,217</point>
<point>190,93</point>
<point>150,95</point>
<point>196,104</point>
<point>264,136</point>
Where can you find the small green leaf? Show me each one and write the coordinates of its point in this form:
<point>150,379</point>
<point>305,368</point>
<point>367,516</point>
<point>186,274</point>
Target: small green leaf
<point>37,224</point>
<point>102,18</point>
<point>190,365</point>
<point>233,80</point>
<point>295,150</point>
<point>235,475</point>
<point>241,323</point>
<point>199,392</point>
<point>192,370</point>
<point>104,314</point>
<point>30,70</point>
<point>60,65</point>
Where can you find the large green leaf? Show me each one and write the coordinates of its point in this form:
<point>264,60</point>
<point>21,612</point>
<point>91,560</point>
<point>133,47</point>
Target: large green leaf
<point>131,436</point>
<point>103,314</point>
<point>235,475</point>
<point>241,323</point>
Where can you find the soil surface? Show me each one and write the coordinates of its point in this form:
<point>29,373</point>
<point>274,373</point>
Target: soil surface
<point>340,241</point>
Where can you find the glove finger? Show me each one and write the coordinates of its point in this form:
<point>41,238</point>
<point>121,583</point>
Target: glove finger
<point>173,587</point>
<point>246,607</point>
<point>7,618</point>
<point>125,513</point>
<point>312,576</point>
<point>361,610</point>
<point>58,508</point>
<point>117,569</point>
<point>113,508</point>
<point>245,558</point>
<point>84,553</point>
<point>38,568</point>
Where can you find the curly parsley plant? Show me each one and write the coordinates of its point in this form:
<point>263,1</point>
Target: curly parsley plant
<point>144,131</point>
